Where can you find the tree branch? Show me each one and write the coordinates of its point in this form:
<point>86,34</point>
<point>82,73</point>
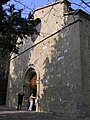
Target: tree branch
<point>85,3</point>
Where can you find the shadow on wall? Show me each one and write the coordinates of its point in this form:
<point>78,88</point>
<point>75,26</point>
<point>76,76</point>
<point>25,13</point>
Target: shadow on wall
<point>37,33</point>
<point>18,66</point>
<point>60,75</point>
<point>15,84</point>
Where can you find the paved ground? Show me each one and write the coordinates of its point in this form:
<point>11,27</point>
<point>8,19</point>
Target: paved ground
<point>10,114</point>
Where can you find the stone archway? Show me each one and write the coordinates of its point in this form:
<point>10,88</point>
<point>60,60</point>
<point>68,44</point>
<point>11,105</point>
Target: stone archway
<point>30,86</point>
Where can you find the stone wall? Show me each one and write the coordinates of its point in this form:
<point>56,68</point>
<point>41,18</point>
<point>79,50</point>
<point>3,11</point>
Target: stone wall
<point>85,60</point>
<point>60,57</point>
<point>18,66</point>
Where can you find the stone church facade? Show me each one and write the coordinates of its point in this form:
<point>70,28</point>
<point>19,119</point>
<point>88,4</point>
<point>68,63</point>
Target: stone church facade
<point>60,56</point>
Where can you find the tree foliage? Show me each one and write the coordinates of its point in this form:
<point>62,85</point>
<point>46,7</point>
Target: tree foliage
<point>14,26</point>
<point>3,1</point>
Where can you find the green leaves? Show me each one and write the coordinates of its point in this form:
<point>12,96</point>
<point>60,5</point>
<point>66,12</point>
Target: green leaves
<point>3,1</point>
<point>13,26</point>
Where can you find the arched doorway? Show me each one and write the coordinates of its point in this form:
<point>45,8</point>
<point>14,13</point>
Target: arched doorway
<point>30,89</point>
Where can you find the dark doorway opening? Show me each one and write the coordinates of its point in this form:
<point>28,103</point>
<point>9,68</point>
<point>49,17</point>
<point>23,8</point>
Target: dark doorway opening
<point>31,78</point>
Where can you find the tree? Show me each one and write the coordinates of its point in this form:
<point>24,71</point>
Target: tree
<point>12,27</point>
<point>3,1</point>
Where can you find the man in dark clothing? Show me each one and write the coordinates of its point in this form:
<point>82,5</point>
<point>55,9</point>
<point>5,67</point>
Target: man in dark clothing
<point>20,99</point>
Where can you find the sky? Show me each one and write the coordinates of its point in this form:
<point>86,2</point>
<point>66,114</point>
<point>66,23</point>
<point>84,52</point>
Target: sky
<point>29,5</point>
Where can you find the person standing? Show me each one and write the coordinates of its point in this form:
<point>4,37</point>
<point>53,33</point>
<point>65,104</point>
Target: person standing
<point>31,102</point>
<point>33,95</point>
<point>20,99</point>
